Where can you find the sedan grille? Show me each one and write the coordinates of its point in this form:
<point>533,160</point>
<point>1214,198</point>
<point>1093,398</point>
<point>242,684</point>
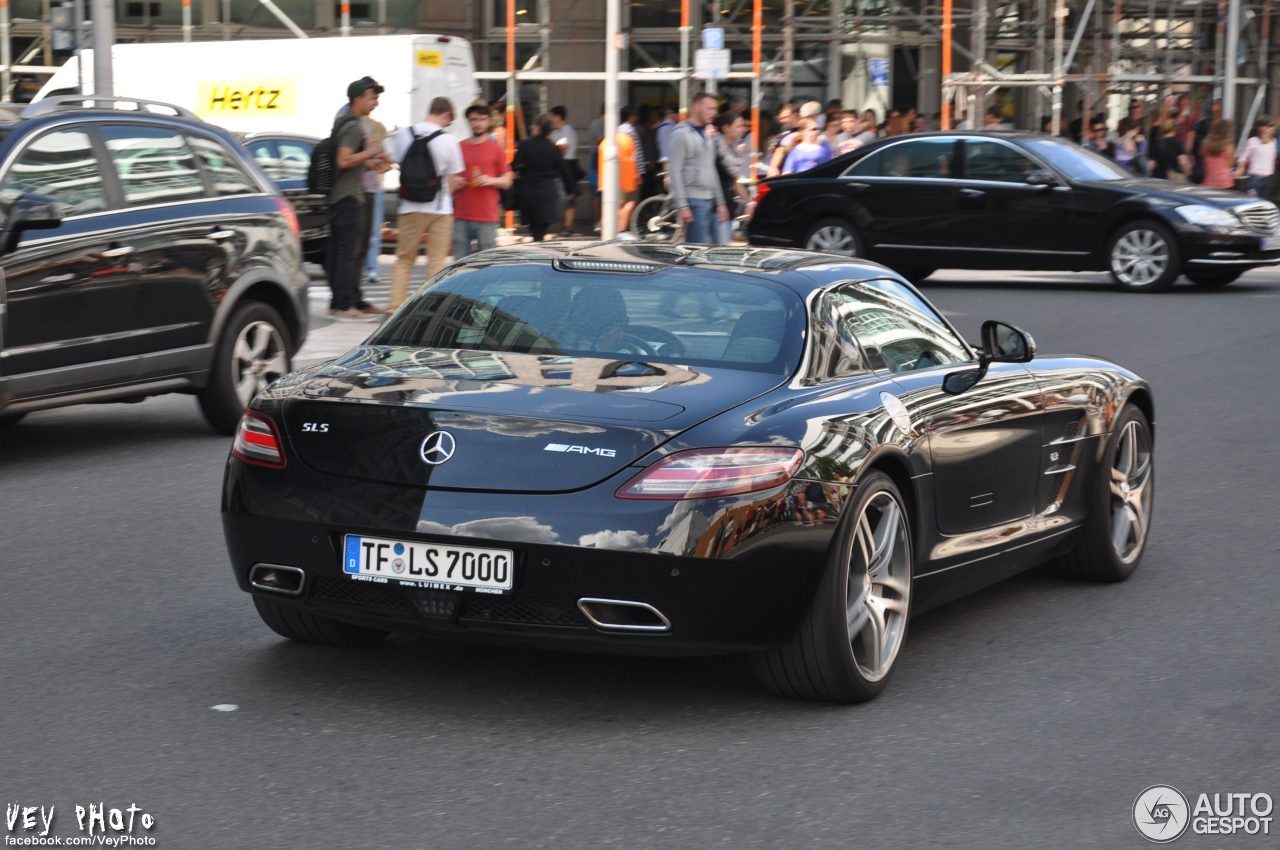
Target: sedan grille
<point>531,612</point>
<point>1263,218</point>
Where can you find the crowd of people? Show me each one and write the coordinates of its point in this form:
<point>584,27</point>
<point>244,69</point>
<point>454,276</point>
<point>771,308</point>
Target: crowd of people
<point>702,161</point>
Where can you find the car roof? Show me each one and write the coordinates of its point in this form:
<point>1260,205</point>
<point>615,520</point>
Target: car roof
<point>273,136</point>
<point>778,263</point>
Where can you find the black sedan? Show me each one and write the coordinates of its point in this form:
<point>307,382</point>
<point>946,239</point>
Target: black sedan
<point>285,158</point>
<point>1015,201</point>
<point>661,449</point>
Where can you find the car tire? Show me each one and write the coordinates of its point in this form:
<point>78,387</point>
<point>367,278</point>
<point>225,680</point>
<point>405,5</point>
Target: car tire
<point>1214,278</point>
<point>916,276</point>
<point>1143,256</point>
<point>1115,533</point>
<point>846,648</point>
<point>8,419</point>
<point>834,236</point>
<point>296,624</point>
<point>253,350</point>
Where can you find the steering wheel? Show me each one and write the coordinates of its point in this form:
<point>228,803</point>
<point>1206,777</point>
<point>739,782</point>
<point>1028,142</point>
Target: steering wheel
<point>632,344</point>
<point>668,344</point>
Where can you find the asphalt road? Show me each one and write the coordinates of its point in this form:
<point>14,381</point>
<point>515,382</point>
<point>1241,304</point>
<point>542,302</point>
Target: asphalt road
<point>1028,715</point>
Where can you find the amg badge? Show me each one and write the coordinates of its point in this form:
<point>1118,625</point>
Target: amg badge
<point>582,450</point>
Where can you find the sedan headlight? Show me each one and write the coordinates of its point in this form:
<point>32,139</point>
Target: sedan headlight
<point>1208,216</point>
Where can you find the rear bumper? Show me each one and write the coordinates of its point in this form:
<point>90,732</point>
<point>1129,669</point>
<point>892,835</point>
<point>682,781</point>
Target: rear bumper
<point>729,575</point>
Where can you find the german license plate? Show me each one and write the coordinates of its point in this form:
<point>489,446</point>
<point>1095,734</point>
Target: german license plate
<point>1271,243</point>
<point>430,565</point>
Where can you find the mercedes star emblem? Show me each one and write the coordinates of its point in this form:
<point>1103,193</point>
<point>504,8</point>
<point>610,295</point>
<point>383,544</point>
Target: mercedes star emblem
<point>437,448</point>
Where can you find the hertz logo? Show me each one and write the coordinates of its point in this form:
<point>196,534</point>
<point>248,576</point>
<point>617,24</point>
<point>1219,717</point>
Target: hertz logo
<point>216,98</point>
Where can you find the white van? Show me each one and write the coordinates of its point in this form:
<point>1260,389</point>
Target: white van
<point>292,85</point>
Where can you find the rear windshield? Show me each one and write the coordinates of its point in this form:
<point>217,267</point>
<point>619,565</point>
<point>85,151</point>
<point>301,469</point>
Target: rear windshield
<point>684,316</point>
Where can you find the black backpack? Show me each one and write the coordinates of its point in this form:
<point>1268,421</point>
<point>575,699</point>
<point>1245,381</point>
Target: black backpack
<point>419,181</point>
<point>324,168</point>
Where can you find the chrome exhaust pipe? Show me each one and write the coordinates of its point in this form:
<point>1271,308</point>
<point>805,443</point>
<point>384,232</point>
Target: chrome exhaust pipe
<point>620,615</point>
<point>277,578</point>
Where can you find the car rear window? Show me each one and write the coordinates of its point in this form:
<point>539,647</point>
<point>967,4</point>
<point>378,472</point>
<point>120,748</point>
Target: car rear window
<point>683,316</point>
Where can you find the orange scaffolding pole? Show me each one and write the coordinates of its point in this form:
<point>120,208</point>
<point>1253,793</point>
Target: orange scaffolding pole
<point>684,58</point>
<point>757,27</point>
<point>946,62</point>
<point>512,90</point>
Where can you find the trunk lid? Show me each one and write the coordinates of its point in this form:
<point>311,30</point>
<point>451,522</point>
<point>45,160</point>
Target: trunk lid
<point>514,422</point>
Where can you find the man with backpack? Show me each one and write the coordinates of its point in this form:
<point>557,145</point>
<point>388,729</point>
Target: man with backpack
<point>431,171</point>
<point>348,221</point>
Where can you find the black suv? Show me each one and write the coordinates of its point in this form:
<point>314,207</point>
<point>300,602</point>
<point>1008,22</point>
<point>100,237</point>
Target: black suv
<point>141,253</point>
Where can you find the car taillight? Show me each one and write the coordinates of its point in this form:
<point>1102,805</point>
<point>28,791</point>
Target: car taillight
<point>762,190</point>
<point>289,213</point>
<point>258,441</point>
<point>706,473</point>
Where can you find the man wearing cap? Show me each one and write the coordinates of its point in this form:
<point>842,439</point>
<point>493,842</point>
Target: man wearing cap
<point>347,215</point>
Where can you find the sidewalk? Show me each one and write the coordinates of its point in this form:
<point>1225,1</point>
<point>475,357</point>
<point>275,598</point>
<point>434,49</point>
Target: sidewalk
<point>328,339</point>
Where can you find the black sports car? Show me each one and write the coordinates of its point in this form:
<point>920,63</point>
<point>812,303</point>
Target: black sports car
<point>661,449</point>
<point>1015,201</point>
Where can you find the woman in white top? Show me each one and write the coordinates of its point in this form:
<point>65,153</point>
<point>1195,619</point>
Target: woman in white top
<point>1258,159</point>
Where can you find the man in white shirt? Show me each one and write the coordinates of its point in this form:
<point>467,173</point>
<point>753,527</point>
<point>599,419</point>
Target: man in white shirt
<point>435,217</point>
<point>566,139</point>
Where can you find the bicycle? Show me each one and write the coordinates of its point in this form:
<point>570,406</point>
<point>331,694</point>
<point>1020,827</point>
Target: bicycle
<point>657,218</point>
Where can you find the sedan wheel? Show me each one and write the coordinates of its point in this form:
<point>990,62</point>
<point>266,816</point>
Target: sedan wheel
<point>833,236</point>
<point>849,642</point>
<point>1144,257</point>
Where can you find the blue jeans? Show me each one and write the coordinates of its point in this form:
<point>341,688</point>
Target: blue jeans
<point>701,229</point>
<point>375,237</point>
<point>1259,187</point>
<point>485,234</point>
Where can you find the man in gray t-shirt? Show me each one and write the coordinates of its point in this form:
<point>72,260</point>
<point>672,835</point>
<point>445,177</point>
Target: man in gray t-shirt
<point>351,159</point>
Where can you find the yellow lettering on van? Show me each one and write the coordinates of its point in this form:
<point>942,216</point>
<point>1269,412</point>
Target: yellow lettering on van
<point>430,58</point>
<point>220,98</point>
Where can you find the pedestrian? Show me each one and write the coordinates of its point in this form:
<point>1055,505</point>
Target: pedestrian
<point>540,171</point>
<point>1219,153</point>
<point>1131,147</point>
<point>433,218</point>
<point>348,217</point>
<point>991,120</point>
<point>375,204</point>
<point>1172,162</point>
<point>566,138</point>
<point>831,132</point>
<point>1095,137</point>
<point>1258,159</point>
<point>788,120</point>
<point>730,165</point>
<point>810,151</point>
<point>663,133</point>
<point>476,205</point>
<point>628,126</point>
<point>695,188</point>
<point>596,132</point>
<point>628,170</point>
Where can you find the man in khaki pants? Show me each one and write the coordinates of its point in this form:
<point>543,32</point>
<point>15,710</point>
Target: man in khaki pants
<point>435,217</point>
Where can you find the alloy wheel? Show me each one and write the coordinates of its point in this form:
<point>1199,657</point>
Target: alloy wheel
<point>1140,257</point>
<point>833,239</point>
<point>879,586</point>
<point>1131,492</point>
<point>257,359</point>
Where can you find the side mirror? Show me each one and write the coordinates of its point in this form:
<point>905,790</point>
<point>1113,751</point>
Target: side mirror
<point>1003,343</point>
<point>1042,177</point>
<point>29,212</point>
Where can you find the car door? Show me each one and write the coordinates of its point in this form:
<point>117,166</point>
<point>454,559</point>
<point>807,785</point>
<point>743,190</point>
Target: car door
<point>313,211</point>
<point>70,291</point>
<point>1004,221</point>
<point>985,443</point>
<point>905,193</point>
<point>175,240</point>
